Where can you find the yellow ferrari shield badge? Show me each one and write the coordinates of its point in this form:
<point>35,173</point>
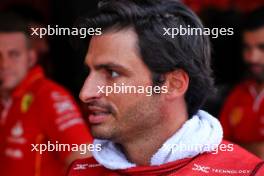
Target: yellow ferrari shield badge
<point>26,102</point>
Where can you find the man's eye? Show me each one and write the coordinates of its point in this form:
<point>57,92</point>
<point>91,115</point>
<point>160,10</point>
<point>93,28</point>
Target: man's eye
<point>113,74</point>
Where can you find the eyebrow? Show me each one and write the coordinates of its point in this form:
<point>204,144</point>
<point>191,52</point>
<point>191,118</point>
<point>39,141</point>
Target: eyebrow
<point>113,66</point>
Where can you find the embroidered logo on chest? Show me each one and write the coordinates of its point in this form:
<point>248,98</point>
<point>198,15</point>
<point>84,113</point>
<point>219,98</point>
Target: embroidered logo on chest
<point>26,102</point>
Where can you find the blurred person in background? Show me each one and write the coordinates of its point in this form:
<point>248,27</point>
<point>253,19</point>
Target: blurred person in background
<point>35,19</point>
<point>242,116</point>
<point>33,109</point>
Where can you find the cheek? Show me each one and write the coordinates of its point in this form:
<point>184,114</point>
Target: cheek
<point>21,68</point>
<point>24,62</point>
<point>123,101</point>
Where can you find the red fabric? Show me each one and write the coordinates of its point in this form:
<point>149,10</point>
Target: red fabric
<point>241,5</point>
<point>236,163</point>
<point>41,111</point>
<point>240,121</point>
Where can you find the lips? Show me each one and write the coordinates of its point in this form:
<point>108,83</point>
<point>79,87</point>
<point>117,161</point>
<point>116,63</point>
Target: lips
<point>97,114</point>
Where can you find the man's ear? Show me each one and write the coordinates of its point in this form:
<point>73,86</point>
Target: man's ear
<point>177,83</point>
<point>32,58</point>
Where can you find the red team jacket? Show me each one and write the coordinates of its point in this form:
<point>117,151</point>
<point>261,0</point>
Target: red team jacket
<point>238,162</point>
<point>39,111</point>
<point>242,117</point>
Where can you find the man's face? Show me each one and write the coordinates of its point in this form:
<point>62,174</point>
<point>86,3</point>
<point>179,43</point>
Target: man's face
<point>254,52</point>
<point>113,58</point>
<point>14,59</point>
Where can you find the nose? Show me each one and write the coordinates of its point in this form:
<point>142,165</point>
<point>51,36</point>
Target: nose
<point>90,89</point>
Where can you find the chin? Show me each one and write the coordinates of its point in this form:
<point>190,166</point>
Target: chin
<point>101,132</point>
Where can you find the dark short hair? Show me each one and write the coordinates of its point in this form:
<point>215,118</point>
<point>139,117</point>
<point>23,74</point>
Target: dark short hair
<point>161,53</point>
<point>10,22</point>
<point>254,20</point>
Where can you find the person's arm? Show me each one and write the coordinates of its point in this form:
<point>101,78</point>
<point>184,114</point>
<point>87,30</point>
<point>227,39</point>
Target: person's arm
<point>62,121</point>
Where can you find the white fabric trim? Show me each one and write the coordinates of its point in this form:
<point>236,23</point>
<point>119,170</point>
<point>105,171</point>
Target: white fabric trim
<point>111,156</point>
<point>6,105</point>
<point>258,98</point>
<point>258,101</point>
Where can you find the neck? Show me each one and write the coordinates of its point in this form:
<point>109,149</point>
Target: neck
<point>141,149</point>
<point>260,87</point>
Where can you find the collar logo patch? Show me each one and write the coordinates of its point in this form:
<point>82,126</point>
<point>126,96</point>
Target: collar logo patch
<point>236,116</point>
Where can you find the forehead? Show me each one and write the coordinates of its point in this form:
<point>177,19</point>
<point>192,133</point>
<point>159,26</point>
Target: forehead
<point>12,40</point>
<point>255,36</point>
<point>113,46</point>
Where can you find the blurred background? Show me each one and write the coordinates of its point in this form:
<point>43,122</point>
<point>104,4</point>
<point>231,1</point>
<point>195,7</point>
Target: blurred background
<point>64,65</point>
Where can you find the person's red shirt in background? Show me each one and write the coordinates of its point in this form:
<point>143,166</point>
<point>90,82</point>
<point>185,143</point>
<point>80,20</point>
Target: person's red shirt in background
<point>242,117</point>
<point>39,111</point>
<point>243,114</point>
